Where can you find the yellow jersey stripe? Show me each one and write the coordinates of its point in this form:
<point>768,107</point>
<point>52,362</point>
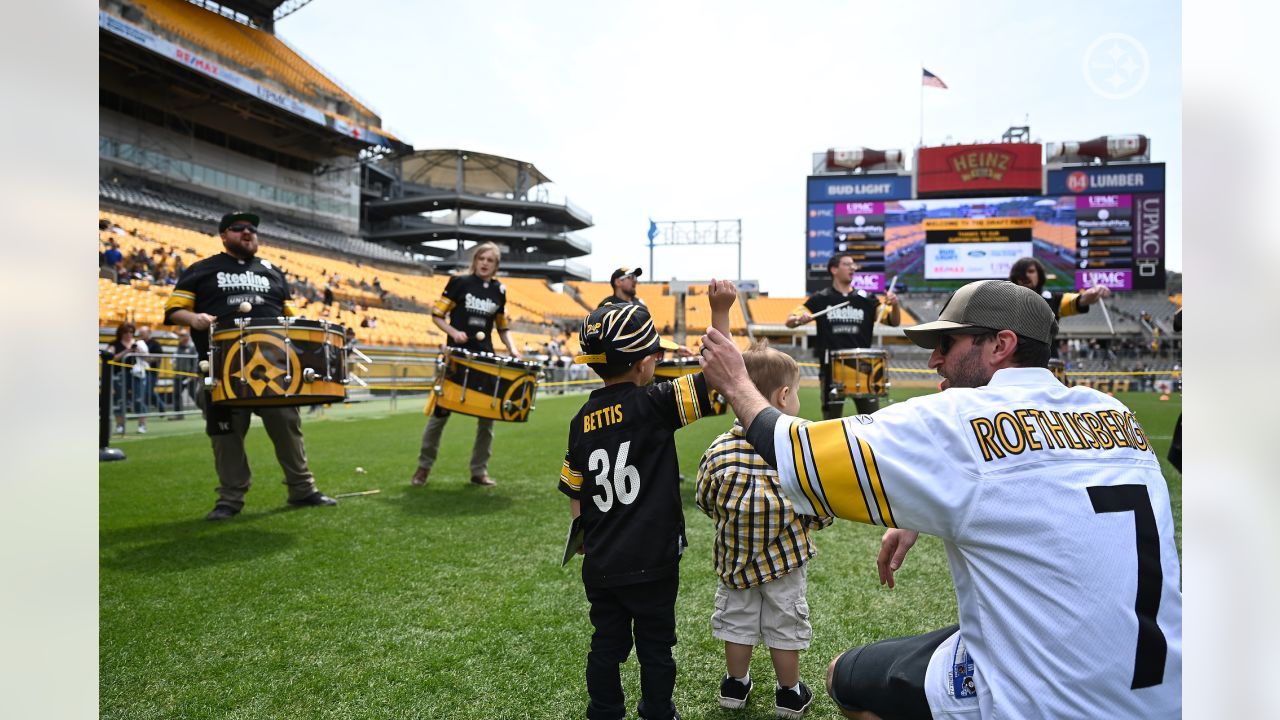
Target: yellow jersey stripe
<point>181,300</point>
<point>831,457</point>
<point>877,485</point>
<point>500,321</point>
<point>570,478</point>
<point>687,399</point>
<point>1067,307</point>
<point>442,307</point>
<point>802,469</point>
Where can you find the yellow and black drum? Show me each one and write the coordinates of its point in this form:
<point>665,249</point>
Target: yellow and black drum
<point>1059,370</point>
<point>860,373</point>
<point>484,385</point>
<point>265,362</point>
<point>679,367</point>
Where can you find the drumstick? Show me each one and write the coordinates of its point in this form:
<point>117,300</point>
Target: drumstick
<point>1102,303</point>
<point>820,313</point>
<point>357,494</point>
<point>885,311</point>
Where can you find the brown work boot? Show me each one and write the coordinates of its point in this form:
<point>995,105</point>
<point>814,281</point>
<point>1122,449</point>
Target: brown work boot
<point>420,477</point>
<point>483,480</point>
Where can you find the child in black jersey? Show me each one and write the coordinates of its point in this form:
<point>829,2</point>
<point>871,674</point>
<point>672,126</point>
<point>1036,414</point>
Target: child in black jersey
<point>622,442</point>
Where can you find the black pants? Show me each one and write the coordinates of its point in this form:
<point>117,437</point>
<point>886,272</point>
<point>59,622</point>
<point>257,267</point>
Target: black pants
<point>887,677</point>
<point>833,405</point>
<point>652,608</point>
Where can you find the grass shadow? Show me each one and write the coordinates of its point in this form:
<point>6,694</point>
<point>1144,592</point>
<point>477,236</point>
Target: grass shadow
<point>450,498</point>
<point>177,550</point>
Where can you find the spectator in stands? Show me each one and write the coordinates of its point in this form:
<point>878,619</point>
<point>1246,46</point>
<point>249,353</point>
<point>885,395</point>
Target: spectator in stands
<point>848,324</point>
<point>212,290</point>
<point>623,282</point>
<point>112,257</point>
<point>1029,272</point>
<point>472,303</point>
<point>328,295</point>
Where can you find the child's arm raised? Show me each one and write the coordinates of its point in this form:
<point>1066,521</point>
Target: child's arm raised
<point>721,294</point>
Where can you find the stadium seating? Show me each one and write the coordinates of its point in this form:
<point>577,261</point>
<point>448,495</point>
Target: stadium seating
<point>248,47</point>
<point>531,302</point>
<point>174,202</point>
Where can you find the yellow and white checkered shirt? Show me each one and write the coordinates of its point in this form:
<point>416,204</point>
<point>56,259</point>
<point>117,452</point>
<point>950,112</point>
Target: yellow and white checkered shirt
<point>759,537</point>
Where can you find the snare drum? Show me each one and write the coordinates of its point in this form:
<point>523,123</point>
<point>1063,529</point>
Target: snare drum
<point>1059,370</point>
<point>484,385</point>
<point>860,373</point>
<point>266,362</point>
<point>679,367</point>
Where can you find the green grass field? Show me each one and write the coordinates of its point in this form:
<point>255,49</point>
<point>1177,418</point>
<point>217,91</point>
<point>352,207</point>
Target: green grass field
<point>440,602</point>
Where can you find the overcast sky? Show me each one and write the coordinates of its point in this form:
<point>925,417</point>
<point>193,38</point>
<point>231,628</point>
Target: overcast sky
<point>713,110</point>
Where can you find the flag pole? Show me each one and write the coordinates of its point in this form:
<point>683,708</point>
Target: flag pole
<point>921,143</point>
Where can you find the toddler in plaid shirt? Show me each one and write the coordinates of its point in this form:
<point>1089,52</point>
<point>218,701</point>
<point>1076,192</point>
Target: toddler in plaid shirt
<point>761,549</point>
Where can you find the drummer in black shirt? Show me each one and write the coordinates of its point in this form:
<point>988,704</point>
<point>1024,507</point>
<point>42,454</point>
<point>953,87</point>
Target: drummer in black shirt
<point>472,305</point>
<point>215,289</point>
<point>843,328</point>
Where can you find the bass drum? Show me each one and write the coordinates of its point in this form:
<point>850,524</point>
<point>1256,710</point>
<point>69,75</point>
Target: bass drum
<point>269,362</point>
<point>860,373</point>
<point>484,385</point>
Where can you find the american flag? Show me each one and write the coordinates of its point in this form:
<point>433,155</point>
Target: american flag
<point>931,80</point>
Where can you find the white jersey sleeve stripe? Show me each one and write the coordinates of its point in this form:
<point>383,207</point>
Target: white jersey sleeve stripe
<point>877,485</point>
<point>801,463</point>
<point>860,473</point>
<point>788,476</point>
<point>863,477</point>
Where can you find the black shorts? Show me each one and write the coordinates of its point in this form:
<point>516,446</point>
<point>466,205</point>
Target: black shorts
<point>887,677</point>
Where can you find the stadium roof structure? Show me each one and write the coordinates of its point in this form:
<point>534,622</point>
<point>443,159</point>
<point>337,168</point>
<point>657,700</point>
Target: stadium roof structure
<point>425,196</point>
<point>263,13</point>
<point>470,172</point>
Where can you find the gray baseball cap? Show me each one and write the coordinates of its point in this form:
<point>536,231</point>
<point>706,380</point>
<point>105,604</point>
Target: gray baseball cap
<point>992,305</point>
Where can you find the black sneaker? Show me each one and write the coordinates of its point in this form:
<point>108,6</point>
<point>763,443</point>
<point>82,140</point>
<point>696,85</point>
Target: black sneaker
<point>787,704</point>
<point>733,694</point>
<point>221,512</point>
<point>314,499</point>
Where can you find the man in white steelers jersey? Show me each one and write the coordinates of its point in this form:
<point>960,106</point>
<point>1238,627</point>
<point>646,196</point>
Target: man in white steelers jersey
<point>1049,501</point>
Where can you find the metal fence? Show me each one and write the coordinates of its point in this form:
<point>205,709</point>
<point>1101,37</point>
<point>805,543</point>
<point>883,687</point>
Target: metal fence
<point>150,385</point>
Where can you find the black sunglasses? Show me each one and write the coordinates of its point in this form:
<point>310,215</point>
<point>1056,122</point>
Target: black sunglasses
<point>243,228</point>
<point>947,339</point>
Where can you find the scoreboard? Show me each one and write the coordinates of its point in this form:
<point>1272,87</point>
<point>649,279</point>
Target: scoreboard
<point>1095,225</point>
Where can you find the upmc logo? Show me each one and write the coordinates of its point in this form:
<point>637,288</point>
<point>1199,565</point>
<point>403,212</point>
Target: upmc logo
<point>1078,181</point>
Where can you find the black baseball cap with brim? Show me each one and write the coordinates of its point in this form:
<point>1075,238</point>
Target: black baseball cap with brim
<point>989,305</point>
<point>233,217</point>
<point>625,272</point>
<point>618,335</point>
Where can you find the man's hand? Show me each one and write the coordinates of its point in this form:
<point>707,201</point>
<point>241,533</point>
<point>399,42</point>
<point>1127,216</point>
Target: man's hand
<point>201,321</point>
<point>460,337</point>
<point>893,549</point>
<point>1093,294</point>
<point>722,294</point>
<point>891,299</point>
<point>723,367</point>
<point>798,320</point>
